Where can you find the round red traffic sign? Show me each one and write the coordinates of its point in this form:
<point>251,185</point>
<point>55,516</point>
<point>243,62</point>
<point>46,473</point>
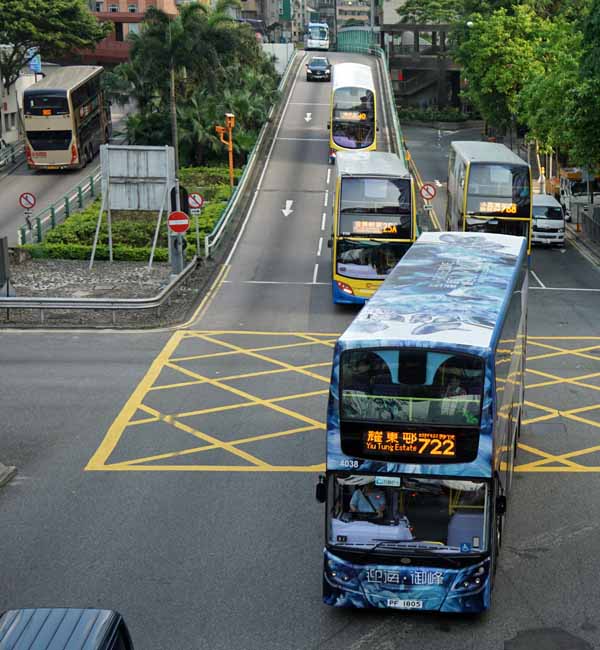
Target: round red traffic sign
<point>178,222</point>
<point>27,200</point>
<point>195,201</point>
<point>427,191</point>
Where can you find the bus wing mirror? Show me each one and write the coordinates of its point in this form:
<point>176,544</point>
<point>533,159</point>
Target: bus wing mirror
<point>321,490</point>
<point>330,243</point>
<point>501,505</point>
<point>328,125</point>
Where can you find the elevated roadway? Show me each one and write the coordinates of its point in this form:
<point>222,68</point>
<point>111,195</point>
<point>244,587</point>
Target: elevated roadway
<point>171,474</point>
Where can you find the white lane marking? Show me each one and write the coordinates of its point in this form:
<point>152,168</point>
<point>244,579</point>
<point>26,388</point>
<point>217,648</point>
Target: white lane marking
<point>282,282</point>
<point>315,274</point>
<point>542,285</point>
<point>308,117</point>
<point>307,104</point>
<point>326,199</point>
<point>288,208</point>
<point>304,139</point>
<point>323,218</point>
<point>262,175</point>
<point>328,175</point>
<point>320,246</point>
<point>564,289</point>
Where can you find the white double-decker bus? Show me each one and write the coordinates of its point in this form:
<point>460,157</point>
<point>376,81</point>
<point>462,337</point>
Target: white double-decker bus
<point>66,118</point>
<point>317,36</point>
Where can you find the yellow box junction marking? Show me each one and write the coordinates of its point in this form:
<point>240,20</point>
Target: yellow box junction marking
<point>132,414</point>
<point>136,413</point>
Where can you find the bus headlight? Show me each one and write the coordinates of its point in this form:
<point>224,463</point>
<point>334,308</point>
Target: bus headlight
<point>346,288</point>
<point>471,579</point>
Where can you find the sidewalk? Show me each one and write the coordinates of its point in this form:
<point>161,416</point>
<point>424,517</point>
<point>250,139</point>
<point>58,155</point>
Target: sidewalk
<point>589,249</point>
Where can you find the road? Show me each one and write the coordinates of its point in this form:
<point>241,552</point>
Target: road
<point>171,474</point>
<point>47,186</point>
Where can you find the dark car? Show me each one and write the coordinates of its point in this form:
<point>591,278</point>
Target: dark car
<point>63,629</point>
<point>318,68</point>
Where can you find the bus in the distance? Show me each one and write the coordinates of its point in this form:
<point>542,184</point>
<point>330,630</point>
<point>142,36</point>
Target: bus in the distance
<point>374,222</point>
<point>352,124</point>
<point>66,118</point>
<point>317,36</point>
<point>489,190</point>
<point>424,412</point>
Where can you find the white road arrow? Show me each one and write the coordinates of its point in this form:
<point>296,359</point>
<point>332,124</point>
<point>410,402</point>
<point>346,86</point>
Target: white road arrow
<point>308,117</point>
<point>288,208</point>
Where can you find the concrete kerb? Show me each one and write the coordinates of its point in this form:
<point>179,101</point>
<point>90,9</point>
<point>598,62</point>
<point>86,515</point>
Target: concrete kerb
<point>6,473</point>
<point>588,249</point>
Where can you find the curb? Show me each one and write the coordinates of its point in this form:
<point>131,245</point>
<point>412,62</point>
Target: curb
<point>590,251</point>
<point>6,473</point>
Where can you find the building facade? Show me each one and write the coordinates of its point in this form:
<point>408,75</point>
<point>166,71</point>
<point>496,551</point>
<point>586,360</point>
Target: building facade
<point>126,16</point>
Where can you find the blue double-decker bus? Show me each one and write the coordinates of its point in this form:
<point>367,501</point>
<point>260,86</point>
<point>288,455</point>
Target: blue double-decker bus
<point>423,418</point>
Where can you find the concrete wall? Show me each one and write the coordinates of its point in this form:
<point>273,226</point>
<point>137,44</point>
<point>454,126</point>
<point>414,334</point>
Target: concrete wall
<point>282,51</point>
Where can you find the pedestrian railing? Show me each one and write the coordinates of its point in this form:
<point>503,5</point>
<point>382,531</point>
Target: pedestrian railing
<point>35,227</point>
<point>12,154</point>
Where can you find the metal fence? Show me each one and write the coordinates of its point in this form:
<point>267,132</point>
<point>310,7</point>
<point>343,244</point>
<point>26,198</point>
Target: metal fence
<point>76,198</point>
<point>12,154</point>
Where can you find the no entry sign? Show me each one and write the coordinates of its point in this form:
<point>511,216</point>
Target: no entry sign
<point>27,200</point>
<point>178,222</point>
<point>427,191</point>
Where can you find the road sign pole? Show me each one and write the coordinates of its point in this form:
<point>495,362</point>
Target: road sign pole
<point>198,232</point>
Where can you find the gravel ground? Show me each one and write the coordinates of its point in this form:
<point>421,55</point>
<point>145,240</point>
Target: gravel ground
<point>73,279</point>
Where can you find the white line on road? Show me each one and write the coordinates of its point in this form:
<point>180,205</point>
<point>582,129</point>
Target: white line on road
<point>328,175</point>
<point>326,199</point>
<point>307,104</point>
<point>564,289</point>
<point>304,139</point>
<point>542,285</point>
<point>266,165</point>
<point>282,282</point>
<point>315,274</point>
<point>323,219</point>
<point>320,246</point>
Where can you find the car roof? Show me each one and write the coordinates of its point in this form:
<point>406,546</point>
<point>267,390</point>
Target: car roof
<point>56,628</point>
<point>545,200</point>
<point>319,58</point>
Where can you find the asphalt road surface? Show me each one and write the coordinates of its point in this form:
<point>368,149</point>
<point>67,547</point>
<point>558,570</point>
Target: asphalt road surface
<point>170,475</point>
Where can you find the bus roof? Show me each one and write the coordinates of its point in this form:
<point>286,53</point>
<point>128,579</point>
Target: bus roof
<point>448,291</point>
<point>352,74</point>
<point>370,163</point>
<point>66,78</point>
<point>487,152</point>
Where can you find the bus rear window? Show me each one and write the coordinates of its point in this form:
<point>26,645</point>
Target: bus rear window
<point>410,386</point>
<point>49,140</point>
<point>45,105</point>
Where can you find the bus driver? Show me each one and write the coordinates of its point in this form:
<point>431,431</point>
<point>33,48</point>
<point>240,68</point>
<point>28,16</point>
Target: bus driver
<point>368,500</point>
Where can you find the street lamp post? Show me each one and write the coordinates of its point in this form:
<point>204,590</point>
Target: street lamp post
<point>229,125</point>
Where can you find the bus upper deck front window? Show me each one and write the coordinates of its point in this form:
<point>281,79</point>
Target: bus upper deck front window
<point>499,189</point>
<point>411,386</point>
<point>353,117</point>
<point>46,105</point>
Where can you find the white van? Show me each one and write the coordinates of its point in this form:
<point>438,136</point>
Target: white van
<point>548,221</point>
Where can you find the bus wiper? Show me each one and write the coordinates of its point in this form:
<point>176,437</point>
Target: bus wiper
<point>412,551</point>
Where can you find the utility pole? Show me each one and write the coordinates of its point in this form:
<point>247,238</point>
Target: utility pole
<point>173,105</point>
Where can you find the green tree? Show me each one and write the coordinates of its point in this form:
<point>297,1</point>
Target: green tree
<point>55,27</point>
<point>498,59</point>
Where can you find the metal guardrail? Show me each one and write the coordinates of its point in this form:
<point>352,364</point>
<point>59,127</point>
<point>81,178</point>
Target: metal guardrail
<point>75,199</point>
<point>101,304</point>
<point>11,155</point>
<point>211,240</point>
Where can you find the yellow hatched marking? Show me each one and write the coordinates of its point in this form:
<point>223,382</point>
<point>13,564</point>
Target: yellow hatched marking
<point>560,352</point>
<point>554,380</point>
<point>545,458</point>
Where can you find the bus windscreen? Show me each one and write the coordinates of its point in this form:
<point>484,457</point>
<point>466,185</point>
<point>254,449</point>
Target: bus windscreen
<point>501,190</point>
<point>400,387</point>
<point>378,207</point>
<point>368,259</point>
<point>353,118</point>
<point>318,33</point>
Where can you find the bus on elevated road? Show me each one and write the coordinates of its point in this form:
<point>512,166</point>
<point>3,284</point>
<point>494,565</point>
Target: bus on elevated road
<point>352,124</point>
<point>489,190</point>
<point>374,221</point>
<point>424,413</point>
